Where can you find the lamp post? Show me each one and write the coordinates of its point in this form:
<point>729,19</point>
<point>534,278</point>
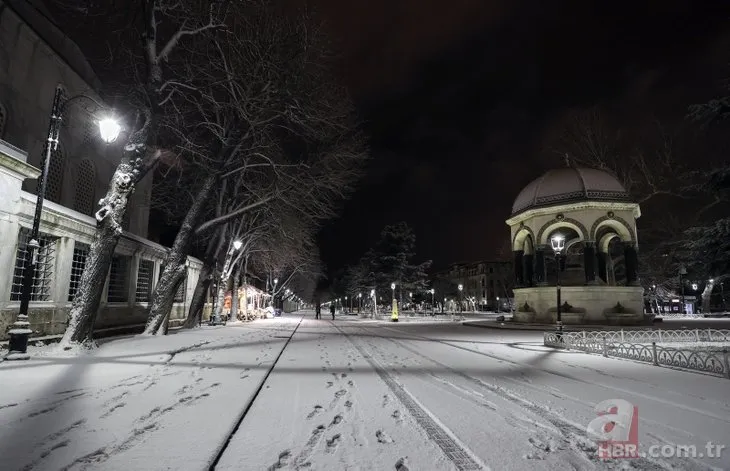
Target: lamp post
<point>461,299</point>
<point>375,303</point>
<point>558,243</point>
<point>394,308</point>
<point>499,307</point>
<point>109,130</point>
<point>682,273</point>
<point>359,302</point>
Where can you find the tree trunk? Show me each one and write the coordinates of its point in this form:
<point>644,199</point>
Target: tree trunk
<point>197,304</point>
<point>85,307</point>
<point>234,296</point>
<point>174,266</point>
<point>706,296</point>
<point>221,298</point>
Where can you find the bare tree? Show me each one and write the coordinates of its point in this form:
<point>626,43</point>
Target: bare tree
<point>280,128</point>
<point>161,28</point>
<point>647,165</point>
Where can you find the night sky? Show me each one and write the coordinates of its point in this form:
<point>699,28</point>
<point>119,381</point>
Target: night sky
<point>459,96</point>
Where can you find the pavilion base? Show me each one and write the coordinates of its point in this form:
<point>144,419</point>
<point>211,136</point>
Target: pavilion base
<point>608,305</point>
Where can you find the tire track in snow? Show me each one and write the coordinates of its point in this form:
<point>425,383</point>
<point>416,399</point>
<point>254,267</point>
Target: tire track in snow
<point>282,458</point>
<point>566,427</point>
<point>463,458</point>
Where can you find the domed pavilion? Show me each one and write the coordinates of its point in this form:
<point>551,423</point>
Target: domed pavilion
<point>595,216</point>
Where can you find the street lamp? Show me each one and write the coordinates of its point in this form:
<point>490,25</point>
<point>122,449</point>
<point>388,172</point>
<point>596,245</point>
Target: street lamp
<point>558,243</point>
<point>461,298</point>
<point>375,301</point>
<point>359,302</point>
<point>109,130</point>
<point>682,272</point>
<point>499,307</point>
<point>237,244</point>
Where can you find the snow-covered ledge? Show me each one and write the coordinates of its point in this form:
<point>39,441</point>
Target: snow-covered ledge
<point>69,227</point>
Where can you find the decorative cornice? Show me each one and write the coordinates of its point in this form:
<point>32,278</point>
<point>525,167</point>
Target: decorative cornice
<point>11,162</point>
<point>576,206</point>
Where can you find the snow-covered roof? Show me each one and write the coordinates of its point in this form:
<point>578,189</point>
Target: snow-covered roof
<point>35,14</point>
<point>569,184</point>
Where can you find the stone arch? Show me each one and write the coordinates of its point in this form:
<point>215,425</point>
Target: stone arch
<point>556,223</point>
<point>618,224</point>
<point>85,184</point>
<point>524,237</point>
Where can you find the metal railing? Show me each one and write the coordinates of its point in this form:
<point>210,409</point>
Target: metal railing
<point>699,354</point>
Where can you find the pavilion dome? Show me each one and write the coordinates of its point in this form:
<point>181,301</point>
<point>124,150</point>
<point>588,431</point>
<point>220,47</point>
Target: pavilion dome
<point>570,185</point>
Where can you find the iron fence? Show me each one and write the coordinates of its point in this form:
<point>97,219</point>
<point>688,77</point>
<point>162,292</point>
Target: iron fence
<point>702,350</point>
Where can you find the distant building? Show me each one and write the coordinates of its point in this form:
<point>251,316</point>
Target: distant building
<point>484,282</point>
<point>36,60</point>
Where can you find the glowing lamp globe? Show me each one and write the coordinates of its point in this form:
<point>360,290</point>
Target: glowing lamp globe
<point>109,129</point>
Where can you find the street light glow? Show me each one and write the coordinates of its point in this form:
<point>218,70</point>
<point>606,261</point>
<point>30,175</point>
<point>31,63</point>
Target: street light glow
<point>109,129</point>
<point>237,244</point>
<point>461,287</point>
<point>558,243</point>
<point>392,286</point>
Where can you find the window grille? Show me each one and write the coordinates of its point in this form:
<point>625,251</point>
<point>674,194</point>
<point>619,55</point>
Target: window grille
<point>85,181</point>
<point>3,120</point>
<point>43,276</point>
<point>144,281</point>
<point>81,251</point>
<point>118,280</point>
<point>55,175</point>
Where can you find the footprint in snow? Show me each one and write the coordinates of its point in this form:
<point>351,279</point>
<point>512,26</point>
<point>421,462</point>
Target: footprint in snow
<point>343,375</point>
<point>317,409</point>
<point>282,462</point>
<point>396,415</point>
<point>383,437</point>
<point>348,404</point>
<point>402,464</point>
<point>340,393</point>
<point>330,384</point>
<point>333,442</point>
<point>336,420</point>
<point>350,383</point>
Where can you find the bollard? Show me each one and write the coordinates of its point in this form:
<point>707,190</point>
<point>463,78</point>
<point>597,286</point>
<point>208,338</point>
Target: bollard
<point>653,354</point>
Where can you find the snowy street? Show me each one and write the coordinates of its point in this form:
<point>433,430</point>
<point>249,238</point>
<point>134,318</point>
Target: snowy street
<point>347,394</point>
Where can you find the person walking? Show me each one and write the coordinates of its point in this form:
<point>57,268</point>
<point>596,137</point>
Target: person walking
<point>332,310</point>
<point>318,311</point>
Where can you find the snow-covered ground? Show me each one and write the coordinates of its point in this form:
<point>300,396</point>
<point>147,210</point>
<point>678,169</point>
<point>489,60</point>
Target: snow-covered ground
<point>348,394</point>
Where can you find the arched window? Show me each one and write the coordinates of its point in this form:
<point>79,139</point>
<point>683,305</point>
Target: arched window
<point>85,182</point>
<point>55,175</point>
<point>3,120</point>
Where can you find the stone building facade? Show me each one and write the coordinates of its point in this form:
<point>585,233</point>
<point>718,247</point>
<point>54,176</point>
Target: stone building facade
<point>598,268</point>
<point>487,284</point>
<point>36,60</point>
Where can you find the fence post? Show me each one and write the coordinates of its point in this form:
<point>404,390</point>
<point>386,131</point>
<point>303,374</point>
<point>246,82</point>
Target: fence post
<point>622,335</point>
<point>709,335</point>
<point>727,362</point>
<point>653,354</point>
<point>660,335</point>
<point>605,346</point>
<point>584,334</point>
<point>697,335</point>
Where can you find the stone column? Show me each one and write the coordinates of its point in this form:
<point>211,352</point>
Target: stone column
<point>601,258</point>
<point>519,273</point>
<point>529,269</point>
<point>631,258</point>
<point>589,261</point>
<point>540,278</point>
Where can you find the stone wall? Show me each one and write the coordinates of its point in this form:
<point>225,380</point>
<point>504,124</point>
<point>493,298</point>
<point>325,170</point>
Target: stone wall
<point>67,229</point>
<point>614,305</point>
